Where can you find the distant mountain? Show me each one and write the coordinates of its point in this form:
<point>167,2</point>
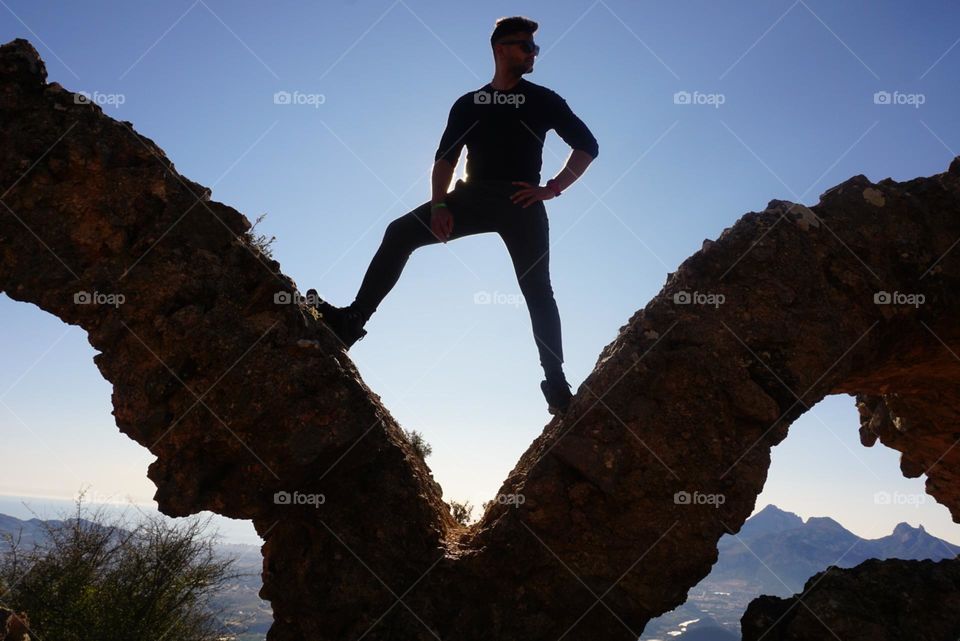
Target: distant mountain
<point>774,553</point>
<point>29,532</point>
<point>33,530</point>
<point>781,560</point>
<point>769,520</point>
<point>913,543</point>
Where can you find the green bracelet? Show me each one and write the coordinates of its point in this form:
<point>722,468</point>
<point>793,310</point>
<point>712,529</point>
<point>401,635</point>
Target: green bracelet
<point>436,205</point>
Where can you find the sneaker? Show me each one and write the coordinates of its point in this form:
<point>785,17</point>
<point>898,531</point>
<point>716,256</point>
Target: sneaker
<point>346,323</point>
<point>556,390</point>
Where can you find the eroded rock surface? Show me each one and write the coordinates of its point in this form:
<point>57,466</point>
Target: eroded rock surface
<point>665,448</point>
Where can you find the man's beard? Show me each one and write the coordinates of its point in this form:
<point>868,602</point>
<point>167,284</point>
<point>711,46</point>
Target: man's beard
<point>522,68</point>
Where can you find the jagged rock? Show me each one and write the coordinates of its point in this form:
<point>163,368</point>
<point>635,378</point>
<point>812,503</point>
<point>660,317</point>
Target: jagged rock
<point>611,515</point>
<point>917,417</point>
<point>890,600</point>
<point>14,626</point>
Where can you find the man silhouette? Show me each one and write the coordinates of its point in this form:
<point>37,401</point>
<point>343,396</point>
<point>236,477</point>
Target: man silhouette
<point>503,125</point>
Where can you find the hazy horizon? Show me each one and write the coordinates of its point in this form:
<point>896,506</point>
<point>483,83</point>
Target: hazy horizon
<point>241,531</point>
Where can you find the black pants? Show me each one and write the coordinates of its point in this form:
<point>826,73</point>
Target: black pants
<point>478,207</point>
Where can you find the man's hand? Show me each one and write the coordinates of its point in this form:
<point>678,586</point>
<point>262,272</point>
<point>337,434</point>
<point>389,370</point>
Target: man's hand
<point>441,223</point>
<point>530,194</point>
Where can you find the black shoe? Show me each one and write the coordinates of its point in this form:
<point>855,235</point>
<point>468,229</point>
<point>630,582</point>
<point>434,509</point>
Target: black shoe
<point>556,390</point>
<point>346,323</point>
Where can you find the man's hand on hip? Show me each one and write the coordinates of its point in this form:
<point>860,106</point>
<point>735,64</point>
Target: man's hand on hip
<point>441,223</point>
<point>530,194</point>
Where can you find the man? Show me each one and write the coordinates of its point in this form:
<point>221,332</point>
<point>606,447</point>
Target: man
<point>503,127</point>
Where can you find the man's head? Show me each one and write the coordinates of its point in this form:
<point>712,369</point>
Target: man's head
<point>512,43</point>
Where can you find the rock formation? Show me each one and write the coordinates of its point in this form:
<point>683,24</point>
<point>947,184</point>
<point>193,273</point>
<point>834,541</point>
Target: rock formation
<point>888,600</point>
<point>243,396</point>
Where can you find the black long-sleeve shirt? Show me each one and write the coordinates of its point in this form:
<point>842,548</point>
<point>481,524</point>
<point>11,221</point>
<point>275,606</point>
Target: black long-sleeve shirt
<point>504,131</point>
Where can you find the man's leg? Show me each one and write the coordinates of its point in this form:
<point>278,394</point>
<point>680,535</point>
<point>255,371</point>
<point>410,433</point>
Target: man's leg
<point>409,232</point>
<point>525,232</point>
<point>402,236</point>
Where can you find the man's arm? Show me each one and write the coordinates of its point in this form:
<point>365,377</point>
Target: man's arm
<point>448,152</point>
<point>442,175</point>
<point>576,134</point>
<point>445,161</point>
<point>577,163</point>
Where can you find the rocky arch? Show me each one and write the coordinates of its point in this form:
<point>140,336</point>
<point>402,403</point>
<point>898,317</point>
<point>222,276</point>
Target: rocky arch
<point>240,397</point>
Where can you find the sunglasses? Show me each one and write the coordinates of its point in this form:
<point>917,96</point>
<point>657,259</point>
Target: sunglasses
<point>527,45</point>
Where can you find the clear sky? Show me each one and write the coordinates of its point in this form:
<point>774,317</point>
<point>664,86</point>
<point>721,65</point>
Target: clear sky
<point>783,106</point>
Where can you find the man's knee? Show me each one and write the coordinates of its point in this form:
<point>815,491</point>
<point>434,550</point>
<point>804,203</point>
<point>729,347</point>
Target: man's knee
<point>536,288</point>
<point>410,231</point>
<point>398,236</point>
<point>396,230</point>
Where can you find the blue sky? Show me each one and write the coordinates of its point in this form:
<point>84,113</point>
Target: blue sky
<point>796,81</point>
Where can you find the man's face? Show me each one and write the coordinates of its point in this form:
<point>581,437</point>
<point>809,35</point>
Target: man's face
<point>513,57</point>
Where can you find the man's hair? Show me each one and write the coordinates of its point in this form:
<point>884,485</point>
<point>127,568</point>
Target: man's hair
<point>508,26</point>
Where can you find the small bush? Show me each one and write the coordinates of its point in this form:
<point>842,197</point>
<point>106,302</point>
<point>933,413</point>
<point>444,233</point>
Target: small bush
<point>462,512</point>
<point>96,579</point>
<point>419,444</point>
<point>260,241</point>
